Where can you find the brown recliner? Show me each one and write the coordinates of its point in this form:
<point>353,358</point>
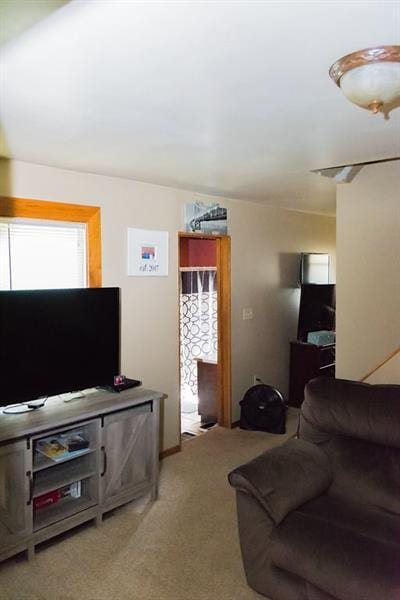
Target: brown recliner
<point>319,516</point>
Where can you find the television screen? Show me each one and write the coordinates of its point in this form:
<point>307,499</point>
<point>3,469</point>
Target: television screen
<point>55,341</point>
<point>317,309</point>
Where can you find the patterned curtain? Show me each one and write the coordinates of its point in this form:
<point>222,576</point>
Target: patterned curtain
<point>198,328</point>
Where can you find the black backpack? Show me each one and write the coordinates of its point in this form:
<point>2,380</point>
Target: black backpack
<point>263,408</point>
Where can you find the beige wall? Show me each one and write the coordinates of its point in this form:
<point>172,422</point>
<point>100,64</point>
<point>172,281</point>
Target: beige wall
<point>388,373</point>
<point>266,243</point>
<point>368,275</point>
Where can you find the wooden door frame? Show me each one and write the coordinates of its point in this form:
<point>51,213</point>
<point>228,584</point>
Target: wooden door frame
<point>223,243</point>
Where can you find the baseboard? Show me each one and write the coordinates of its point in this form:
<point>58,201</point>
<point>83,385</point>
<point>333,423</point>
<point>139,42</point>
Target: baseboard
<point>235,424</point>
<point>170,451</point>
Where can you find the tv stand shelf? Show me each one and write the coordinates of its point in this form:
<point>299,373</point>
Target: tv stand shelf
<point>41,497</point>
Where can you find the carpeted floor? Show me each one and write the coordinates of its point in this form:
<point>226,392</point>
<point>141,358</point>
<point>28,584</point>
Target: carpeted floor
<point>183,547</point>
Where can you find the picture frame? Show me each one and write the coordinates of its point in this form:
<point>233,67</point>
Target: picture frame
<point>209,219</point>
<point>147,253</point>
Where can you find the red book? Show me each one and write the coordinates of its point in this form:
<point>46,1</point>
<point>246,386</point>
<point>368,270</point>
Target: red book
<point>46,499</point>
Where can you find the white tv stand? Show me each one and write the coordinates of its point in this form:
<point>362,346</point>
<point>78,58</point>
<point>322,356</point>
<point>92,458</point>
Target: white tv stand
<point>119,465</point>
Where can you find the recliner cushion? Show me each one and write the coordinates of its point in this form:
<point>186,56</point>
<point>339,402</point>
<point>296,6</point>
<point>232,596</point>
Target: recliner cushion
<point>350,408</point>
<point>347,551</point>
<point>379,525</point>
<point>365,473</point>
<point>284,477</point>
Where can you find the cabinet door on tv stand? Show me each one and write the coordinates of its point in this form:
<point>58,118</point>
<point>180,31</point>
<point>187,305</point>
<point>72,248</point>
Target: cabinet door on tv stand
<point>127,455</point>
<point>15,485</point>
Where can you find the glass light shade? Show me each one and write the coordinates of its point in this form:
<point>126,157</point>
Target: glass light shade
<point>374,83</point>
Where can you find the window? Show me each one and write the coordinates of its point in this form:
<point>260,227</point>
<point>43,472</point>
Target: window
<point>42,254</point>
<point>48,244</point>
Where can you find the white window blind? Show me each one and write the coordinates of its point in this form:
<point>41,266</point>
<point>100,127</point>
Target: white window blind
<point>42,254</point>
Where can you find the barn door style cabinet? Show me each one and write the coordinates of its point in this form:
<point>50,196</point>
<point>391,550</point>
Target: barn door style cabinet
<point>128,461</point>
<point>15,478</point>
<point>68,463</point>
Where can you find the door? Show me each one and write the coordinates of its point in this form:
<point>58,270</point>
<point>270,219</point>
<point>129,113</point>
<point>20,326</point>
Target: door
<point>214,251</point>
<point>127,446</point>
<point>15,486</point>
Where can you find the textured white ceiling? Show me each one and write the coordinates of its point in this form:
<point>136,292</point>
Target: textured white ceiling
<point>229,98</point>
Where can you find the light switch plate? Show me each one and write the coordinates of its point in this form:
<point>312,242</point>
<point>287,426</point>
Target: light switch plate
<point>247,314</point>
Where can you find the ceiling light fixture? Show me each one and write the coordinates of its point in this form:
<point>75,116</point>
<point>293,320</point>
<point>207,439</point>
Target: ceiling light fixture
<point>370,78</point>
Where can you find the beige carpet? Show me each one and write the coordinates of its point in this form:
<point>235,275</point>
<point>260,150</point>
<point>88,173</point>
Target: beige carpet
<point>183,547</point>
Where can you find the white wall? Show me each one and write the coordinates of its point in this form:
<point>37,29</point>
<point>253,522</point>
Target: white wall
<point>368,275</point>
<point>266,243</point>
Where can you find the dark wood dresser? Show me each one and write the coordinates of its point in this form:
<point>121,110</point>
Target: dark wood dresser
<point>207,380</point>
<point>306,362</point>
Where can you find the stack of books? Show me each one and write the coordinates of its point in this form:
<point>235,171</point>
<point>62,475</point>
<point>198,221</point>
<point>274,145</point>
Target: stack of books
<point>72,490</point>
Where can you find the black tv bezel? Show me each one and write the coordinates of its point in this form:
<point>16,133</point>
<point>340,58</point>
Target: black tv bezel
<point>48,390</point>
<point>302,329</point>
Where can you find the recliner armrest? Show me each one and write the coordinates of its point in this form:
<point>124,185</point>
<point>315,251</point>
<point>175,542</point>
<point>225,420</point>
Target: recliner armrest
<point>284,477</point>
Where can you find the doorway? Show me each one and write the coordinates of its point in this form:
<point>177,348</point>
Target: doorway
<point>204,332</point>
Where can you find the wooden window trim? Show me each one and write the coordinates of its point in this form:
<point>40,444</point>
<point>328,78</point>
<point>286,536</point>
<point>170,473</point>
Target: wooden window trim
<point>60,211</point>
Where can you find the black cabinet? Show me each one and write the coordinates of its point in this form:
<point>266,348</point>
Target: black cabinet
<point>306,362</point>
<point>207,382</point>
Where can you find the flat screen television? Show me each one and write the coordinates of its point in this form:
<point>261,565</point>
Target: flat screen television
<point>55,341</point>
<point>317,309</point>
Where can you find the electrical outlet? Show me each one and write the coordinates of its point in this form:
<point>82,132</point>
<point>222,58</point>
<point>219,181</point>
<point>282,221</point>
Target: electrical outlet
<point>256,380</point>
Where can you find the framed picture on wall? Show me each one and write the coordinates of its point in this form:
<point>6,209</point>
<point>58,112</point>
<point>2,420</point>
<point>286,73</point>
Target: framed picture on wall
<point>147,253</point>
<point>206,218</point>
